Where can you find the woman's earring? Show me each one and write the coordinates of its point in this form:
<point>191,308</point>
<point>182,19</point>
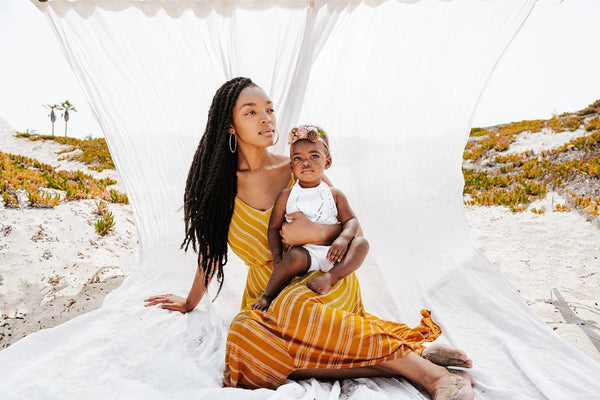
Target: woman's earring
<point>276,140</point>
<point>232,147</point>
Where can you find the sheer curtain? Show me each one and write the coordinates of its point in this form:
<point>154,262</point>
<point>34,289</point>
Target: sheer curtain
<point>395,84</point>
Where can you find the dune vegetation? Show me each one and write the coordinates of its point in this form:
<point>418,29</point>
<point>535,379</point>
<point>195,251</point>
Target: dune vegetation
<point>495,177</point>
<point>27,181</point>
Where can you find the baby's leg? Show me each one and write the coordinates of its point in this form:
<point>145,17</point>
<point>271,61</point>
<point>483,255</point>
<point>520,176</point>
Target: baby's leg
<point>354,257</point>
<point>295,262</point>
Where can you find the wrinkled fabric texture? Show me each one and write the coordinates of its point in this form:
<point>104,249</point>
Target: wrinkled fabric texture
<point>394,83</point>
<point>301,329</point>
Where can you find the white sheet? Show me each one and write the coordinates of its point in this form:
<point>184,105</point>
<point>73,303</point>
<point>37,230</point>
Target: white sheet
<point>395,85</point>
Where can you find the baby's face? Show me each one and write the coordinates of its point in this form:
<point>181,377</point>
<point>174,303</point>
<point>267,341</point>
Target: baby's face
<point>309,161</point>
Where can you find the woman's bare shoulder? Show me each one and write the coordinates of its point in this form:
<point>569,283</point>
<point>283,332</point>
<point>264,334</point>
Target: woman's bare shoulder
<point>281,161</point>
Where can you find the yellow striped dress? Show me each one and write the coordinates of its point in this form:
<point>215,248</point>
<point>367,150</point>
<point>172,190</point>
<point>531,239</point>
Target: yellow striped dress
<point>302,329</point>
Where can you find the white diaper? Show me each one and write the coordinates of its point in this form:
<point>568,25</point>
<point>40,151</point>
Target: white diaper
<point>318,257</point>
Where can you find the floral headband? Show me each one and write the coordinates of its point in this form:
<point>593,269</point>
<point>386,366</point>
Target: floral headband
<point>308,132</point>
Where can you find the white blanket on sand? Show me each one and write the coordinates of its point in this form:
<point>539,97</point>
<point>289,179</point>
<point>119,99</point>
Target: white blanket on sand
<point>395,84</point>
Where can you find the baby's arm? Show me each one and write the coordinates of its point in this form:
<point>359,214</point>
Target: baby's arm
<point>347,252</point>
<point>350,227</point>
<point>275,222</point>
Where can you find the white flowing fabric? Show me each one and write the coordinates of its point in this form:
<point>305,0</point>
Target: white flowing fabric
<point>395,84</point>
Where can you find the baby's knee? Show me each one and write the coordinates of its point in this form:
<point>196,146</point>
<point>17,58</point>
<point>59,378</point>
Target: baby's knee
<point>360,243</point>
<point>297,257</point>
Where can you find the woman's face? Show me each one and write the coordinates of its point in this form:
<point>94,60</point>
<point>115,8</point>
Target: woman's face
<point>253,118</point>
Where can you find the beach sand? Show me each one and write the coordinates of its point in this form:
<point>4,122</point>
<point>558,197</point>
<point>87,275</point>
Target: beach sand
<point>54,266</point>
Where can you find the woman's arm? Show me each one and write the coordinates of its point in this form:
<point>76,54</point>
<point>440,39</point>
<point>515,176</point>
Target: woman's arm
<point>178,303</point>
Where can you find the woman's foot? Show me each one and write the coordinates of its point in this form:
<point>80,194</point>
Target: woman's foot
<point>454,386</point>
<point>262,304</point>
<point>322,284</point>
<point>446,356</point>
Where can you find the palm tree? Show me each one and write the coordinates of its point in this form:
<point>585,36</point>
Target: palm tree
<point>66,106</point>
<point>52,116</point>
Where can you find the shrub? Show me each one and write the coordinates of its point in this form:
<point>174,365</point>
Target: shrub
<point>475,132</point>
<point>593,124</point>
<point>104,224</point>
<point>101,208</point>
<point>42,200</point>
<point>561,207</point>
<point>572,123</point>
<point>117,197</point>
<point>10,201</point>
<point>593,108</point>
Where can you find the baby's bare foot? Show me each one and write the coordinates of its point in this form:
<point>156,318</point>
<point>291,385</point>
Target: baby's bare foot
<point>321,284</point>
<point>454,386</point>
<point>446,356</point>
<point>262,304</point>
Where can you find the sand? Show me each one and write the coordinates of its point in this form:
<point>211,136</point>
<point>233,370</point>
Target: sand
<point>53,265</point>
<point>552,260</point>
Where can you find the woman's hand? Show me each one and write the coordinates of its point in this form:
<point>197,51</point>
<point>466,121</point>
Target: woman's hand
<point>299,231</point>
<point>169,302</point>
<point>302,231</point>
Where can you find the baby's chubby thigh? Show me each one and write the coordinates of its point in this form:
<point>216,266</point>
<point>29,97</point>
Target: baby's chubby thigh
<point>318,257</point>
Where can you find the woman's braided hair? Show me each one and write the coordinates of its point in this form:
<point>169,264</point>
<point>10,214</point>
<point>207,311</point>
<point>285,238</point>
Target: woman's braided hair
<point>211,185</point>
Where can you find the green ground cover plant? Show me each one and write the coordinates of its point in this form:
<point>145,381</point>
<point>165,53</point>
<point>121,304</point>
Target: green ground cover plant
<point>23,173</point>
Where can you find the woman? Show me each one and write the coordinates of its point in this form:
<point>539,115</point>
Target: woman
<point>230,191</point>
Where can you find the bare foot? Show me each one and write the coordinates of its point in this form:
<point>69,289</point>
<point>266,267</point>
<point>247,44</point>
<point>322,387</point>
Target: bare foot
<point>446,356</point>
<point>262,304</point>
<point>454,386</point>
<point>322,284</point>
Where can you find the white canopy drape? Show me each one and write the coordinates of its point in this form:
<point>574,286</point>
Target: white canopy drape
<point>395,84</point>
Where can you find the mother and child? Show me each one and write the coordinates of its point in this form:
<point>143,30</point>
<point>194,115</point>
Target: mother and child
<point>302,314</point>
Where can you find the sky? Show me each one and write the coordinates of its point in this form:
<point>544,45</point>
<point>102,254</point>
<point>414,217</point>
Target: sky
<point>551,66</point>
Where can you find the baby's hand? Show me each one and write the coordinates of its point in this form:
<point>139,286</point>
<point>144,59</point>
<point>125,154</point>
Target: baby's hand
<point>337,251</point>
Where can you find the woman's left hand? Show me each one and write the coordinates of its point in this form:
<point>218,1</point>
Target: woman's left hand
<point>169,302</point>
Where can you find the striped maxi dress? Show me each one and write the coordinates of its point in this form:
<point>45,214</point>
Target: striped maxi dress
<point>302,329</point>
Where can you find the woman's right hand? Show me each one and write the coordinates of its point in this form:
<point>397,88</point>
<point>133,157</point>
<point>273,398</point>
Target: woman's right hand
<point>299,231</point>
<point>302,230</point>
<point>169,302</point>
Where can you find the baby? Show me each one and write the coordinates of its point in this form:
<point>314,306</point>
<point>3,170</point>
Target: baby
<point>309,158</point>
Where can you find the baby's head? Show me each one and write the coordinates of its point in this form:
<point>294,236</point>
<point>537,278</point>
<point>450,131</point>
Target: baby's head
<point>309,154</point>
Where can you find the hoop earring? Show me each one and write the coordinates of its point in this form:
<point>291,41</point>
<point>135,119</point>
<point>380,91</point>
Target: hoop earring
<point>277,132</point>
<point>233,147</point>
